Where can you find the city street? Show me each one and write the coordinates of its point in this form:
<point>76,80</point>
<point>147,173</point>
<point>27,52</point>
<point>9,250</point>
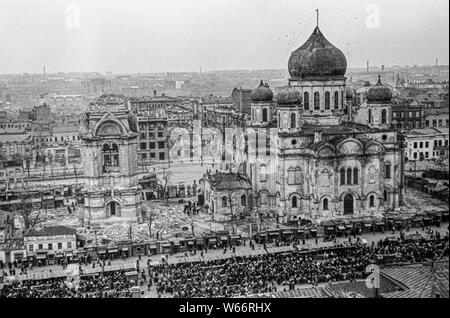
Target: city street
<point>130,262</point>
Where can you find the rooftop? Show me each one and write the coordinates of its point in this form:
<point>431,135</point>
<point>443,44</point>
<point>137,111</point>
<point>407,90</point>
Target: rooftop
<point>420,279</point>
<point>12,138</point>
<point>227,180</point>
<point>51,231</point>
<point>428,131</point>
<point>108,102</point>
<point>436,111</point>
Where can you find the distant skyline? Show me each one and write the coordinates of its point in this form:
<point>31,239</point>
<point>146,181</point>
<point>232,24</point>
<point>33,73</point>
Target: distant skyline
<point>160,36</point>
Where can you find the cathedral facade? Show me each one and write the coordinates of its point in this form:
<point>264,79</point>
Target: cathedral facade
<point>325,161</point>
<point>109,154</point>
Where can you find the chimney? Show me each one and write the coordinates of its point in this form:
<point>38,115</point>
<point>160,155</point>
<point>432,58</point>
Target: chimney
<point>317,136</point>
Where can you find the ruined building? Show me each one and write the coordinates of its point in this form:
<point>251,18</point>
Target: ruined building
<point>109,136</point>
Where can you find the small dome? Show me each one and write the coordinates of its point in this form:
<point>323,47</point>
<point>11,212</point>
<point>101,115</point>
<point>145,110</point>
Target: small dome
<point>317,57</point>
<point>348,92</point>
<point>289,96</point>
<point>262,93</point>
<point>379,93</point>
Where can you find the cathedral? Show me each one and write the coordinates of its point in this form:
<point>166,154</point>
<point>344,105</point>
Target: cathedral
<point>331,161</point>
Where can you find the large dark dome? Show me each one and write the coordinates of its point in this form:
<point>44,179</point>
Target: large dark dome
<point>317,58</point>
<point>289,96</point>
<point>379,93</point>
<point>262,93</point>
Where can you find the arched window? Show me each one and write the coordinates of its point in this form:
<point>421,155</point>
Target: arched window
<point>349,176</point>
<point>342,99</point>
<point>316,101</point>
<point>263,198</point>
<point>325,204</point>
<point>327,100</point>
<point>243,200</point>
<point>370,115</point>
<point>371,201</point>
<point>342,176</point>
<point>371,175</point>
<point>306,100</point>
<point>264,115</point>
<point>383,116</point>
<point>110,153</point>
<point>336,100</point>
<point>388,171</point>
<point>294,202</point>
<point>355,176</point>
<point>293,121</point>
<point>385,195</point>
<point>291,176</point>
<point>298,175</point>
<point>263,173</point>
<point>224,202</point>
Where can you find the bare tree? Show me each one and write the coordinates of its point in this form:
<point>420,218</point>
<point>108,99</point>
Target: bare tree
<point>63,163</point>
<point>27,158</point>
<point>43,159</point>
<point>26,214</point>
<point>2,155</point>
<point>51,161</point>
<point>151,214</point>
<point>130,232</point>
<point>75,171</point>
<point>17,157</point>
<point>164,181</point>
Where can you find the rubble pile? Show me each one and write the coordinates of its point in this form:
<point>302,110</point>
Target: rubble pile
<point>58,216</point>
<point>419,202</point>
<point>168,220</point>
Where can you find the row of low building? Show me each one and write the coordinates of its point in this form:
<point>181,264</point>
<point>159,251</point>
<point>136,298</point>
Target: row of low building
<point>43,244</point>
<point>435,188</point>
<point>51,244</point>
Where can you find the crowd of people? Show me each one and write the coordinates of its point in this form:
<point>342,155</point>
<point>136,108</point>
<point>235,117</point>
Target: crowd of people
<point>271,272</point>
<point>236,276</point>
<point>104,285</point>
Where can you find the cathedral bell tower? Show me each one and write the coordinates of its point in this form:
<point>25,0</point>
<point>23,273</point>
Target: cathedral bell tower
<point>109,154</point>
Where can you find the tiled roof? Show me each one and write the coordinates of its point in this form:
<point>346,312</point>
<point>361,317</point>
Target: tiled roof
<point>344,290</point>
<point>402,294</point>
<point>440,280</point>
<point>436,111</point>
<point>12,138</point>
<point>51,231</point>
<point>311,292</point>
<point>417,279</point>
<point>224,181</point>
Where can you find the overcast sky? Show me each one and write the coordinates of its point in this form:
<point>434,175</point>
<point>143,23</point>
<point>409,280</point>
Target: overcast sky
<point>184,35</point>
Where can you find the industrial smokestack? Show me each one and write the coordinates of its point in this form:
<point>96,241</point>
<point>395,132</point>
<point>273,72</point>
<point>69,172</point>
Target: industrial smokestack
<point>367,66</point>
